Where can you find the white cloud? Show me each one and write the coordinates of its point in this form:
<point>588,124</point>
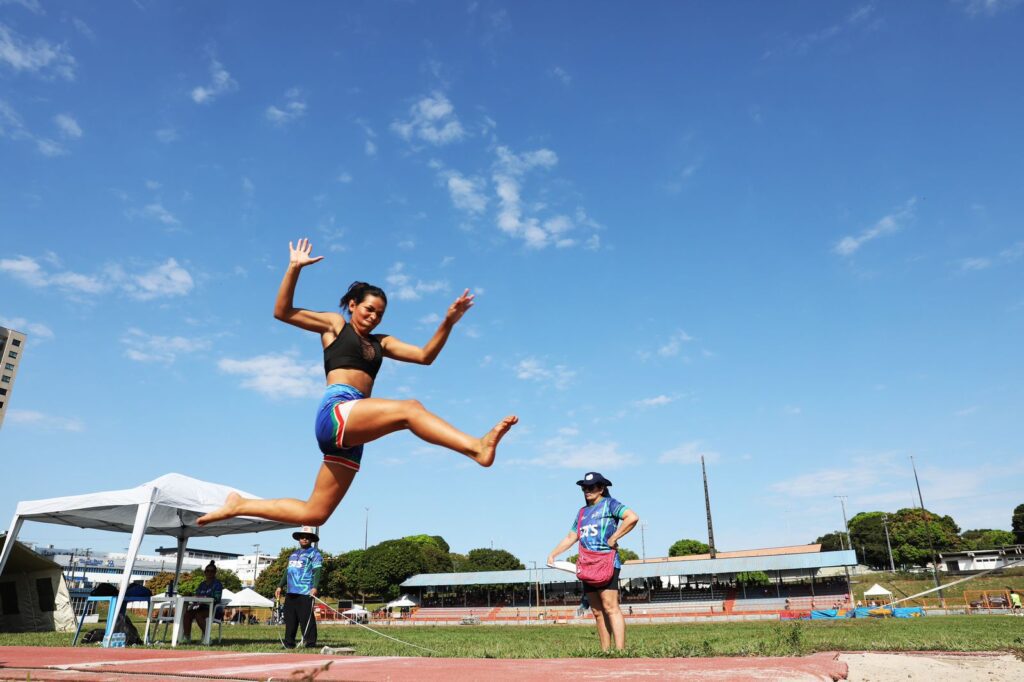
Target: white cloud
<point>430,319</point>
<point>975,264</point>
<point>1004,257</point>
<point>31,5</point>
<point>27,271</point>
<point>11,127</point>
<point>509,170</point>
<point>344,178</point>
<point>68,126</point>
<point>277,376</point>
<point>562,453</point>
<point>34,419</point>
<point>406,288</point>
<point>987,7</point>
<point>48,147</point>
<point>167,135</point>
<point>221,83</point>
<point>293,108</point>
<point>859,19</point>
<point>467,193</point>
<point>168,279</point>
<point>154,211</point>
<point>143,347</point>
<point>433,120</point>
<point>966,411</point>
<point>534,369</point>
<point>35,330</point>
<point>656,401</point>
<point>792,410</point>
<point>888,224</point>
<point>39,57</point>
<point>682,178</point>
<point>83,28</point>
<point>675,343</point>
<point>560,74</point>
<point>688,453</point>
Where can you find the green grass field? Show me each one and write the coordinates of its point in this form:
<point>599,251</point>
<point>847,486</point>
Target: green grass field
<point>936,633</point>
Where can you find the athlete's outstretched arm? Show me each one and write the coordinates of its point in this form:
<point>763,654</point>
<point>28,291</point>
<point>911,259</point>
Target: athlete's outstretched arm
<point>567,542</point>
<point>284,309</point>
<point>425,355</point>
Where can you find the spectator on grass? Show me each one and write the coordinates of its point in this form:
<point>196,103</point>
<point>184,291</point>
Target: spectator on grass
<point>1015,603</point>
<point>197,613</point>
<point>598,526</point>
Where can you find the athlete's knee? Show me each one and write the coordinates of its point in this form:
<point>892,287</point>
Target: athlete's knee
<point>317,515</point>
<point>413,406</point>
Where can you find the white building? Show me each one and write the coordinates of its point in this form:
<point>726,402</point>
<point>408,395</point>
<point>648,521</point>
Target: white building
<point>983,559</point>
<point>83,569</point>
<point>12,344</point>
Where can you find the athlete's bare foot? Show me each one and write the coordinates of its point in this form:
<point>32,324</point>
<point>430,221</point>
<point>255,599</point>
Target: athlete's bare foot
<point>227,511</point>
<point>489,443</point>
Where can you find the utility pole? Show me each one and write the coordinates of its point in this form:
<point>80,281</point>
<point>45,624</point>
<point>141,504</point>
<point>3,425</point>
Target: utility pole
<point>707,504</point>
<point>643,541</point>
<point>256,565</point>
<point>888,545</point>
<point>366,528</point>
<point>928,527</point>
<point>846,524</point>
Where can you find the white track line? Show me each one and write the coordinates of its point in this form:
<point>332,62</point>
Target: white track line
<point>295,665</point>
<point>146,661</point>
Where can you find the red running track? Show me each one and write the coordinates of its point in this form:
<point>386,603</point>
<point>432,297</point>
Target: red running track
<point>135,665</point>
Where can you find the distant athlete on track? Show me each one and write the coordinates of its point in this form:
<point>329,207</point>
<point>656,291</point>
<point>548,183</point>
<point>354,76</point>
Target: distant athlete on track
<point>348,417</point>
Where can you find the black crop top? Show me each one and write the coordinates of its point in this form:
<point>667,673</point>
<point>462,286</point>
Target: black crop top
<point>351,351</point>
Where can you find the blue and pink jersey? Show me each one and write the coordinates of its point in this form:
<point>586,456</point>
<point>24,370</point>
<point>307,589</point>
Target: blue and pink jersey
<point>302,567</point>
<point>595,524</point>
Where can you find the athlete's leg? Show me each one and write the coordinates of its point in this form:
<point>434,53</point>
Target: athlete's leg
<point>613,616</point>
<point>372,418</point>
<point>602,626</point>
<point>331,485</point>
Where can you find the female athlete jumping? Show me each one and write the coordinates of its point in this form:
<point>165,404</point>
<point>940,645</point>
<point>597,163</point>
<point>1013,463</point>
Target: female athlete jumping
<point>348,417</point>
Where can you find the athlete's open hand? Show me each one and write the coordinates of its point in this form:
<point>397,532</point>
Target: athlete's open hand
<point>299,254</point>
<point>458,309</point>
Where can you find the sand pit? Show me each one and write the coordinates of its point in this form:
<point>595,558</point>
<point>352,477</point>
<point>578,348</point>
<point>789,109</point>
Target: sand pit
<point>994,667</point>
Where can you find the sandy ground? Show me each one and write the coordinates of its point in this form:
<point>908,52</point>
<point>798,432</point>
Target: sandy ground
<point>929,666</point>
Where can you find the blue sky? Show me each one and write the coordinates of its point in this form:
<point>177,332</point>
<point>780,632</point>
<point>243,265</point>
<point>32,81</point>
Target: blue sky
<point>786,236</point>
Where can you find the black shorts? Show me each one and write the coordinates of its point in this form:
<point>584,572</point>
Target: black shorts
<point>612,584</point>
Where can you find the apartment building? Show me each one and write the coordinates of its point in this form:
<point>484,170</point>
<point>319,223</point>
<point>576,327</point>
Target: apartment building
<point>12,343</point>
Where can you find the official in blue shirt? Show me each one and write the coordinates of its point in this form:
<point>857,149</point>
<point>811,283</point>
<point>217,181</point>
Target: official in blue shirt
<point>301,579</point>
<point>598,527</point>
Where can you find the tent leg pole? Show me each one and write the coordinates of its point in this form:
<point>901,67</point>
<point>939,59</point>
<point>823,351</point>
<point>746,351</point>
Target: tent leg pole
<point>138,532</point>
<point>12,536</point>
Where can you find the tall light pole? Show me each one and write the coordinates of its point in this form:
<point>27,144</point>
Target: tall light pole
<point>256,564</point>
<point>928,527</point>
<point>707,505</point>
<point>846,524</point>
<point>888,545</point>
<point>366,529</point>
<point>643,541</point>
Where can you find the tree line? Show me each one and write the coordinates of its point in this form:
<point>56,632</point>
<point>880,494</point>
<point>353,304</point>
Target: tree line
<point>912,534</point>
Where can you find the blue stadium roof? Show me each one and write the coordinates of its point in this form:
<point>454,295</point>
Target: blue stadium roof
<point>788,565</point>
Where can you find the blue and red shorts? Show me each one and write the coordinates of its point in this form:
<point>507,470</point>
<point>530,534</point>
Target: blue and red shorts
<point>330,425</point>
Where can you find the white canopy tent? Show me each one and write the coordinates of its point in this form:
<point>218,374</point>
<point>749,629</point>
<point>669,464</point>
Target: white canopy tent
<point>169,505</point>
<point>878,591</point>
<point>355,611</point>
<point>250,597</point>
<point>402,602</point>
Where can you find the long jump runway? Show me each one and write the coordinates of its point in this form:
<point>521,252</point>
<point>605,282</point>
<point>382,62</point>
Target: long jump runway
<point>134,665</point>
